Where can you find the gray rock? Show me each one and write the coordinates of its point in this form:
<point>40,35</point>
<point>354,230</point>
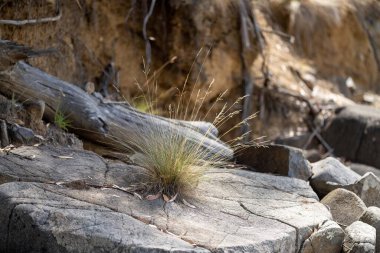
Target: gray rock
<point>345,206</point>
<point>276,159</point>
<point>362,169</point>
<point>368,189</point>
<point>356,127</point>
<point>330,174</point>
<point>35,219</point>
<point>45,164</point>
<point>235,210</point>
<point>360,238</point>
<point>328,238</point>
<point>22,135</point>
<point>372,217</point>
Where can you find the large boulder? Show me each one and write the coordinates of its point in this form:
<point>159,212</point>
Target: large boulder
<point>330,174</point>
<point>328,238</point>
<point>276,159</point>
<point>360,238</point>
<point>230,210</point>
<point>344,206</point>
<point>372,217</point>
<point>355,134</point>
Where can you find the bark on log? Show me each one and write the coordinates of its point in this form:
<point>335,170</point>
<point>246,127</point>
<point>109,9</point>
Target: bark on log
<point>4,140</point>
<point>106,123</point>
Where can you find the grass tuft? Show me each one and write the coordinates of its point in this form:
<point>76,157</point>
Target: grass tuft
<point>61,121</point>
<point>174,162</point>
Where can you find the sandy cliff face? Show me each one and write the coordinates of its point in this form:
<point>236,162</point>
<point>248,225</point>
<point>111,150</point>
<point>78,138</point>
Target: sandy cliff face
<point>330,42</point>
<point>340,37</point>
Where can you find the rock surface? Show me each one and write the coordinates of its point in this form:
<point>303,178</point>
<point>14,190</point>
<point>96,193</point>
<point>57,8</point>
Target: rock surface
<point>372,217</point>
<point>235,210</point>
<point>360,238</point>
<point>356,127</point>
<point>368,189</point>
<point>328,238</point>
<point>330,174</point>
<point>40,220</point>
<point>345,206</point>
<point>276,159</point>
<point>362,169</point>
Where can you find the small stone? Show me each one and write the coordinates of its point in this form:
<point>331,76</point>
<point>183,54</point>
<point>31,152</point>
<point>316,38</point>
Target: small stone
<point>360,238</point>
<point>22,135</point>
<point>330,174</point>
<point>372,217</point>
<point>345,206</point>
<point>328,238</point>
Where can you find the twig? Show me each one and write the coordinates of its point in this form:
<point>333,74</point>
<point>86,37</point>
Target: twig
<point>324,143</point>
<point>32,21</point>
<point>4,140</point>
<point>279,33</point>
<point>257,31</point>
<point>298,74</point>
<point>79,5</point>
<point>311,137</point>
<point>130,11</point>
<point>316,133</point>
<point>371,40</point>
<point>148,48</point>
<point>312,109</point>
<point>248,82</point>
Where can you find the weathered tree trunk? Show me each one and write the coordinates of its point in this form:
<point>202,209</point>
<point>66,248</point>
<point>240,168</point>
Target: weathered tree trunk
<point>106,123</point>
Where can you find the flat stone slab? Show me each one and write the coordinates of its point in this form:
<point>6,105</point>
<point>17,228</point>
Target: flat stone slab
<point>235,210</point>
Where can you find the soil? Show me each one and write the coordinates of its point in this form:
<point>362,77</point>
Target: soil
<point>313,61</point>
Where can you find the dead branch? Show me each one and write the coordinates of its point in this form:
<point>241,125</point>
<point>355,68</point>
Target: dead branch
<point>108,124</point>
<point>148,49</point>
<point>248,82</point>
<point>32,21</point>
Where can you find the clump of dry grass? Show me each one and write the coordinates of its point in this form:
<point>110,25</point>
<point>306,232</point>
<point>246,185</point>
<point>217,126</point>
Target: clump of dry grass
<point>174,163</point>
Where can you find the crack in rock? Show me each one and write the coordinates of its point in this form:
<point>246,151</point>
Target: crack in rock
<point>272,218</point>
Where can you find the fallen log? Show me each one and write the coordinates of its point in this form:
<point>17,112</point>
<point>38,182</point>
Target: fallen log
<point>109,124</point>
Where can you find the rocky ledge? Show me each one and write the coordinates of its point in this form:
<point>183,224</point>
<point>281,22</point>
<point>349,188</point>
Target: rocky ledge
<point>66,200</point>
